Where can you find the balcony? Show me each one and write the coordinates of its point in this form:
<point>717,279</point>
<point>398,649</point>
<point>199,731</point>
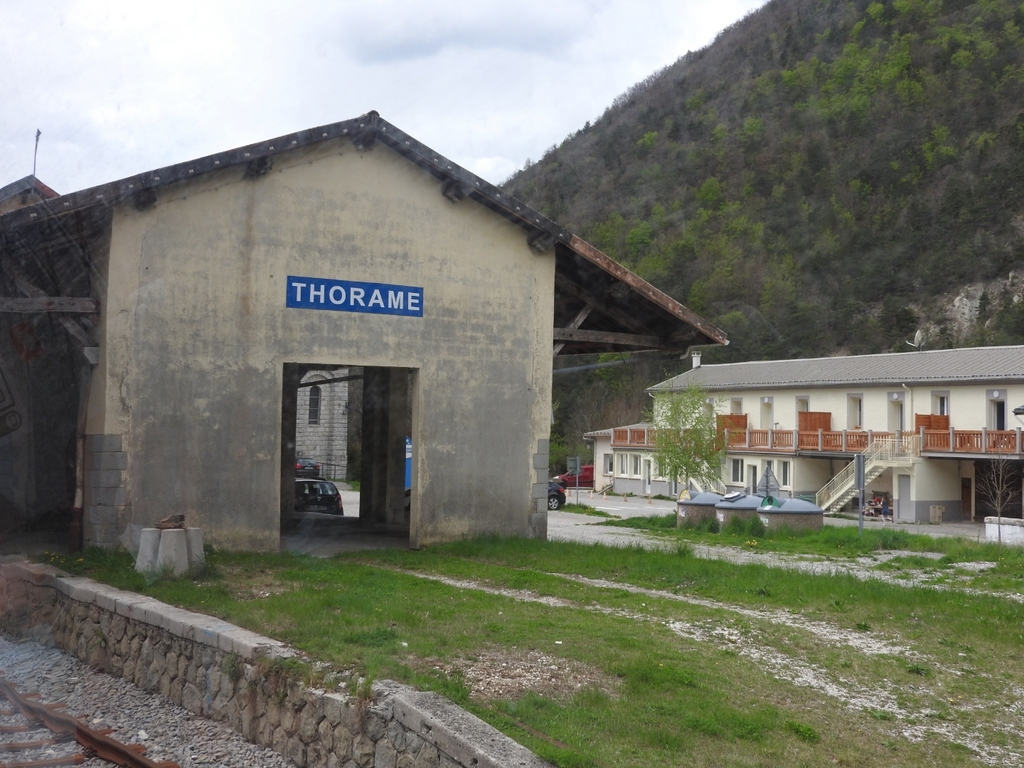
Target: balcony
<point>976,442</point>
<point>633,437</point>
<point>933,441</point>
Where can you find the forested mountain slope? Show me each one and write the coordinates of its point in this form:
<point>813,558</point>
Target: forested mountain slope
<point>825,177</point>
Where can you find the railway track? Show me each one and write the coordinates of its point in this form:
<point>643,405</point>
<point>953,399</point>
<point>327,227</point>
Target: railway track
<point>37,735</point>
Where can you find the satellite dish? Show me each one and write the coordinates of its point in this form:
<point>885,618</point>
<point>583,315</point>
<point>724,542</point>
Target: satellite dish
<point>918,339</point>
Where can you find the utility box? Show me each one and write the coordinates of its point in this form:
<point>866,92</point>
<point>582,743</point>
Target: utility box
<point>935,513</point>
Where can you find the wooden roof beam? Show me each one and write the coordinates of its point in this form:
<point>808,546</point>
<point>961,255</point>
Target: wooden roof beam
<point>576,323</point>
<point>540,241</point>
<point>616,339</point>
<point>455,190</point>
<point>72,304</point>
<point>593,300</point>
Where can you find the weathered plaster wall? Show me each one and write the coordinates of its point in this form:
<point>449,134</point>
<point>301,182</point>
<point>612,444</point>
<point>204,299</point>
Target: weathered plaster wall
<point>936,481</point>
<point>809,475</point>
<point>968,405</point>
<point>195,334</point>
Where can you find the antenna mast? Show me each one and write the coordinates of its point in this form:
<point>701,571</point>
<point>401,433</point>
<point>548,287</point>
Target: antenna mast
<point>36,152</point>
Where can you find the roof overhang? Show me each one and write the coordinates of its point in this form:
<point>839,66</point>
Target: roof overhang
<point>600,306</point>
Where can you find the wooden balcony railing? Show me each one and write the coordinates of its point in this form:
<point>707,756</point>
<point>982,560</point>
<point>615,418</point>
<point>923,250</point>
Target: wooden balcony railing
<point>978,441</point>
<point>626,437</point>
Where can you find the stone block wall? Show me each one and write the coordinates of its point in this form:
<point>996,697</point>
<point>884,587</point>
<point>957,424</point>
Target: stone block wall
<point>106,492</point>
<point>793,520</point>
<point>325,440</point>
<point>229,674</point>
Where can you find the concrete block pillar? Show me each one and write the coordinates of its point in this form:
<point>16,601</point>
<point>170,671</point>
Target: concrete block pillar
<point>175,550</point>
<point>172,554</point>
<point>385,419</point>
<point>194,546</point>
<point>289,406</point>
<point>149,547</point>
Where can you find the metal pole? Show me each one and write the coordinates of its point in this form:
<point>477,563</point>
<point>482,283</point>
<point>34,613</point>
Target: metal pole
<point>858,475</point>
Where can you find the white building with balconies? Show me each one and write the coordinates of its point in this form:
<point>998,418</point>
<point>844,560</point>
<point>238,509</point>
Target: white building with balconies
<point>930,425</point>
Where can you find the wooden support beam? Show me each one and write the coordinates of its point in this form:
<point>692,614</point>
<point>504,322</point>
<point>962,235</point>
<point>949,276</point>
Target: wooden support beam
<point>576,323</point>
<point>540,241</point>
<point>455,190</point>
<point>34,292</point>
<point>144,198</point>
<point>258,166</point>
<point>641,286</point>
<point>571,288</point>
<point>73,304</point>
<point>618,339</point>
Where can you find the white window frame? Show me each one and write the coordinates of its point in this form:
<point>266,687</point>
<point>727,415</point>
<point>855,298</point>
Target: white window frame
<point>635,464</point>
<point>737,470</point>
<point>784,478</point>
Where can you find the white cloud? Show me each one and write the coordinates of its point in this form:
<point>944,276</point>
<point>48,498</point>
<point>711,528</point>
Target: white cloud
<point>120,87</point>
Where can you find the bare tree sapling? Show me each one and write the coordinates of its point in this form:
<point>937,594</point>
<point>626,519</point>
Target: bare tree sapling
<point>687,445</point>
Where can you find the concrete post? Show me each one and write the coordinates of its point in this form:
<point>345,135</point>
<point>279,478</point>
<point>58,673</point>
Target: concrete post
<point>173,552</point>
<point>385,425</point>
<point>149,547</point>
<point>289,404</point>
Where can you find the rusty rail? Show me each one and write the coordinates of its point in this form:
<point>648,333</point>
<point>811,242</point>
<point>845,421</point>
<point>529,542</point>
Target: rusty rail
<point>95,743</point>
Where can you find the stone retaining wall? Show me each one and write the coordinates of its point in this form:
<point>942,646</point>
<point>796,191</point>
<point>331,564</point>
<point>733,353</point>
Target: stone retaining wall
<point>229,674</point>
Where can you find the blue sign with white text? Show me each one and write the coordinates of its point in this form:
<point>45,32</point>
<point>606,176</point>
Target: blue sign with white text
<point>352,296</point>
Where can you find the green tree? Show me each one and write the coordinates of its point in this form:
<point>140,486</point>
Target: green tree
<point>686,441</point>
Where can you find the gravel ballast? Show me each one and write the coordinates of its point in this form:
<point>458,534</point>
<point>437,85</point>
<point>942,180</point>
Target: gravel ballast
<point>168,731</point>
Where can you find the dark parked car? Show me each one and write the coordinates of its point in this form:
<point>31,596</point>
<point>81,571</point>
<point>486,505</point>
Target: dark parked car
<point>556,495</point>
<point>307,468</point>
<point>318,496</point>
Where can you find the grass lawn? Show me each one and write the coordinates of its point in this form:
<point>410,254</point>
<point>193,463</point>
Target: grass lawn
<point>594,656</point>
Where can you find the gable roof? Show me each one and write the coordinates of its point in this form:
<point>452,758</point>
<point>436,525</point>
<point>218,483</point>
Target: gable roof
<point>600,306</point>
<point>26,191</point>
<point>973,365</point>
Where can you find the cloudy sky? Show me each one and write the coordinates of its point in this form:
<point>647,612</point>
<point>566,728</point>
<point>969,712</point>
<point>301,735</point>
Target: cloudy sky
<point>121,86</point>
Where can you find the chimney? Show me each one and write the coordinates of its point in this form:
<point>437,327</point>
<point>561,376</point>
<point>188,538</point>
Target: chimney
<point>695,357</point>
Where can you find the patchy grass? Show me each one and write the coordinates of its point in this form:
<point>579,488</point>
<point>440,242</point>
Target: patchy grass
<point>594,656</point>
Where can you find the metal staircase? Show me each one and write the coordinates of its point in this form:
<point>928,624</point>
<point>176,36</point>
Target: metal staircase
<point>882,454</point>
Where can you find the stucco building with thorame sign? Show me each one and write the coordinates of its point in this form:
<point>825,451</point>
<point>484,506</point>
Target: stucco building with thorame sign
<point>185,306</point>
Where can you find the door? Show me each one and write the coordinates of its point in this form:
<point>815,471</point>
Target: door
<point>905,505</point>
<point>999,415</point>
<point>752,477</point>
<point>647,477</point>
<point>966,499</point>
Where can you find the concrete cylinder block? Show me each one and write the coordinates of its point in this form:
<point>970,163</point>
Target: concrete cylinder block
<point>194,542</point>
<point>173,552</point>
<point>149,547</point>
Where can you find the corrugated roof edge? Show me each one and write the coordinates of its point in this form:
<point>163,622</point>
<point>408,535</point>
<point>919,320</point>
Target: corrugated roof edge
<point>821,380</point>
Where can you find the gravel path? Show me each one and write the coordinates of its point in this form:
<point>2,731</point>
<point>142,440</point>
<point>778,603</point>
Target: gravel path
<point>584,529</point>
<point>167,731</point>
